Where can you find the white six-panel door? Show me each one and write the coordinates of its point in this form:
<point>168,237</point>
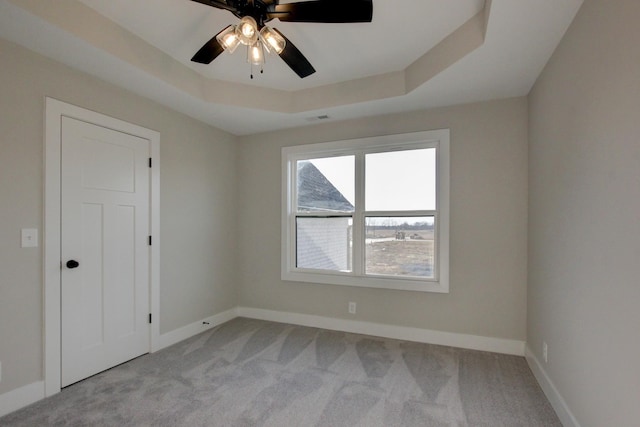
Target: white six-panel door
<point>105,229</point>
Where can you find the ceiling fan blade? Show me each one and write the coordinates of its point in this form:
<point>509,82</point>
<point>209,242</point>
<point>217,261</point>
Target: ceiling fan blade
<point>328,11</point>
<point>218,4</point>
<point>209,51</point>
<point>295,59</point>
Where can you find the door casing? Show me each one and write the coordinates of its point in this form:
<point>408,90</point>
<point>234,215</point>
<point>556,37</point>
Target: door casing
<point>54,110</point>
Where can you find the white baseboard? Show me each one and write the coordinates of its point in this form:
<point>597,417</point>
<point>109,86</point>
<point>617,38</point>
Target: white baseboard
<point>472,342</point>
<point>21,397</point>
<point>180,334</point>
<point>555,398</point>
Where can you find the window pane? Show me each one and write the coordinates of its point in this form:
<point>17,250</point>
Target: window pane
<point>326,184</point>
<point>324,243</point>
<point>400,246</point>
<point>401,180</point>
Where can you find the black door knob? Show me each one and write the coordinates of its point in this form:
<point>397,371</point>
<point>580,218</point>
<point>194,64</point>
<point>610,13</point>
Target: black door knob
<point>72,263</point>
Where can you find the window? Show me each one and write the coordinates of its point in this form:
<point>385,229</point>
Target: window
<point>368,212</point>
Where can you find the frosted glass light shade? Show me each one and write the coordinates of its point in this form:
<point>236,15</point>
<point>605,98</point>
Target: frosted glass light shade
<point>255,54</point>
<point>228,39</point>
<point>247,31</point>
<point>272,40</point>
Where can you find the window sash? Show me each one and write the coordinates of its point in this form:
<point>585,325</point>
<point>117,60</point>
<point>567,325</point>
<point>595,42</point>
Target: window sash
<point>359,262</point>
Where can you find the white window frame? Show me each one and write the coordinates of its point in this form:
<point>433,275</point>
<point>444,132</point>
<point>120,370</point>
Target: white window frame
<point>438,139</point>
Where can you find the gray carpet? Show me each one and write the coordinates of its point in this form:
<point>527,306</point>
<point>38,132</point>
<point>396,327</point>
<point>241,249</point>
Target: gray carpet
<point>255,373</point>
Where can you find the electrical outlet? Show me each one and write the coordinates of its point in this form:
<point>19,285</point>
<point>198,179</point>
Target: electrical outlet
<point>545,351</point>
<point>352,308</point>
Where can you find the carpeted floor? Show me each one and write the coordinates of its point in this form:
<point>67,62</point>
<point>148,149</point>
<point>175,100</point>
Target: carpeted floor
<point>255,373</point>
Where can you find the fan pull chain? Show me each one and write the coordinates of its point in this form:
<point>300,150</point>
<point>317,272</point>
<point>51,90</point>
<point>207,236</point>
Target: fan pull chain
<point>261,71</point>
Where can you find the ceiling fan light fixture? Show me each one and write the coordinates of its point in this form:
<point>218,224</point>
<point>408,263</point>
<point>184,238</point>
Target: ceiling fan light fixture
<point>228,39</point>
<point>253,14</point>
<point>247,31</point>
<point>272,40</point>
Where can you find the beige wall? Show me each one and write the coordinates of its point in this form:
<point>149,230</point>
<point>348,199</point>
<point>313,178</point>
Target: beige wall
<point>488,225</point>
<point>584,212</point>
<point>198,196</point>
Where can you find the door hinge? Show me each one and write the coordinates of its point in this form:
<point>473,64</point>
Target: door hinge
<point>149,240</point>
<point>149,317</point>
<point>150,162</point>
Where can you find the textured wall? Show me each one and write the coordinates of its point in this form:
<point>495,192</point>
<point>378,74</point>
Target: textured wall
<point>198,196</point>
<point>488,225</point>
<point>584,213</point>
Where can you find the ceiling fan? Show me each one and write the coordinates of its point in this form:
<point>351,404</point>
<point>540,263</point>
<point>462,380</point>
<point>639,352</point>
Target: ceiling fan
<point>253,33</point>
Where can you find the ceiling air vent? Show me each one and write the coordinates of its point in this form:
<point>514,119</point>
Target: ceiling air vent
<point>316,118</point>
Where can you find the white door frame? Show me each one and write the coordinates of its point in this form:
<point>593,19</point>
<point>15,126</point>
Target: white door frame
<point>54,110</point>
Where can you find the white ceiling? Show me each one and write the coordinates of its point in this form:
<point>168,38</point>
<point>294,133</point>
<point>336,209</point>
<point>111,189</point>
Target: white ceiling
<point>362,69</point>
<point>181,27</point>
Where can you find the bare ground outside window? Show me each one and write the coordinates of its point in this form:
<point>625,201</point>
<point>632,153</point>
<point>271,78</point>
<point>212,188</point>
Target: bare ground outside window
<point>400,253</point>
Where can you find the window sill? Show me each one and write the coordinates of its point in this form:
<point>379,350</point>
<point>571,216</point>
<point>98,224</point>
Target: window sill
<point>401,284</point>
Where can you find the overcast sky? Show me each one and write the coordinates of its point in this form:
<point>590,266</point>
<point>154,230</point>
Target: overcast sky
<point>401,180</point>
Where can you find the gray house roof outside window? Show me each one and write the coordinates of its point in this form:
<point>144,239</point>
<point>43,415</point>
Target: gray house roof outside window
<point>315,191</point>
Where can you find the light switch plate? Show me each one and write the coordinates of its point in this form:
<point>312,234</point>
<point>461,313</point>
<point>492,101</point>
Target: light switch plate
<point>29,237</point>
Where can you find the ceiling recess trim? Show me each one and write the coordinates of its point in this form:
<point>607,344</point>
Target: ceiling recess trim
<point>81,21</point>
